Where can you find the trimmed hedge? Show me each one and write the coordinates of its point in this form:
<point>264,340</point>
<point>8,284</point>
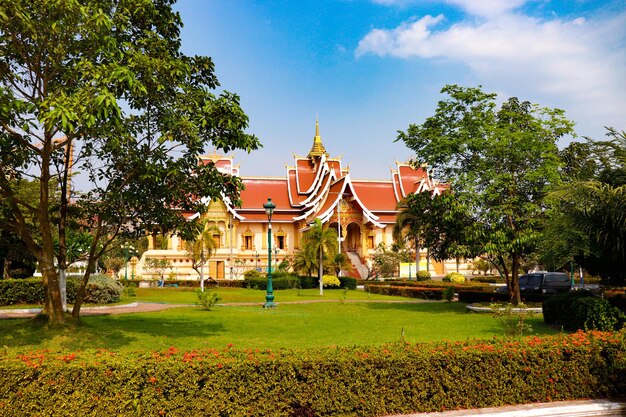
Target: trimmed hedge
<point>348,282</point>
<point>100,290</point>
<point>407,291</point>
<point>353,381</point>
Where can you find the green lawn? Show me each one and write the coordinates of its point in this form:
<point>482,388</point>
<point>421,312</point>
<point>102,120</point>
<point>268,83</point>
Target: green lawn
<point>288,326</point>
<point>245,295</point>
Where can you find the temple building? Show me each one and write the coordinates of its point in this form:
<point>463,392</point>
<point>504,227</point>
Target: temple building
<point>314,186</point>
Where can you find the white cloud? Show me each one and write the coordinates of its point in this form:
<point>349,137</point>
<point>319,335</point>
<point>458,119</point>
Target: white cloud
<point>578,63</point>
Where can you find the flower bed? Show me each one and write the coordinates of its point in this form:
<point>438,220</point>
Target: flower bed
<point>356,381</point>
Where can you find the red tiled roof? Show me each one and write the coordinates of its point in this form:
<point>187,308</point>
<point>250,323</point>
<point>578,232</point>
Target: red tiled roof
<point>375,195</point>
<point>259,189</point>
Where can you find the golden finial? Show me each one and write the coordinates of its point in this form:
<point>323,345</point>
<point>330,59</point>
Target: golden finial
<point>318,146</point>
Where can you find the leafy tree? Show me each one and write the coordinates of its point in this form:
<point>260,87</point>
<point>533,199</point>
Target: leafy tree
<point>318,243</point>
<point>101,86</point>
<point>201,249</point>
<point>386,262</point>
<point>340,262</point>
<point>588,220</point>
<point>499,163</point>
<point>157,267</point>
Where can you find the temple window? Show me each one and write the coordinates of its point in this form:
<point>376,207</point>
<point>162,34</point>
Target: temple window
<point>216,239</point>
<point>370,241</point>
<point>247,240</point>
<point>280,242</point>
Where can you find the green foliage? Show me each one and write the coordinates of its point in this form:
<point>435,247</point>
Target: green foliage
<point>480,151</point>
<point>582,310</point>
<point>348,283</point>
<point>425,377</point>
<point>104,87</point>
<point>407,291</point>
<point>252,273</point>
<point>454,277</point>
<point>316,249</point>
<point>206,301</point>
<point>281,283</point>
<point>157,267</point>
<point>513,319</point>
<point>448,294</point>
<point>331,281</point>
<point>100,290</point>
<point>422,276</point>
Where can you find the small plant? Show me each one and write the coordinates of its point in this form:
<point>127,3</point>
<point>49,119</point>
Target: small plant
<point>513,319</point>
<point>454,277</point>
<point>344,295</point>
<point>206,301</point>
<point>331,281</point>
<point>448,294</point>
<point>422,276</point>
<point>130,292</point>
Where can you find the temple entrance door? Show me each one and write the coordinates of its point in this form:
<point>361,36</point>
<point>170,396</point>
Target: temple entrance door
<point>353,238</point>
<point>333,226</point>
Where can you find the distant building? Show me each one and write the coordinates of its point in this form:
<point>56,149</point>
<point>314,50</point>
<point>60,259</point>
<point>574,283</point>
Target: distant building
<point>315,186</point>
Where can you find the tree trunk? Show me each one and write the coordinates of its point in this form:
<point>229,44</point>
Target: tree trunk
<point>417,256</point>
<point>53,307</point>
<point>321,269</point>
<point>516,298</point>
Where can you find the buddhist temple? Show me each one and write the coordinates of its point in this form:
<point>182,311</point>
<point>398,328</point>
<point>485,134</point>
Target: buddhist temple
<point>363,211</point>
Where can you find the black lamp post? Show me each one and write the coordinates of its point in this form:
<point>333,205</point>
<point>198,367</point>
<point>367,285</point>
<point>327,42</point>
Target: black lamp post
<point>269,297</point>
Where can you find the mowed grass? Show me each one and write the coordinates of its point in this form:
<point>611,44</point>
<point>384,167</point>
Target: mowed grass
<point>368,322</point>
<point>246,295</point>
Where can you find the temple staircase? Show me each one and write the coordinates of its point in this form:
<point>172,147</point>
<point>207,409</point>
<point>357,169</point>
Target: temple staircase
<point>358,270</point>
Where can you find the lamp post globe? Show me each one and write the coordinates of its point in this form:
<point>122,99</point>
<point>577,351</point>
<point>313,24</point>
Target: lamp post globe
<point>269,296</point>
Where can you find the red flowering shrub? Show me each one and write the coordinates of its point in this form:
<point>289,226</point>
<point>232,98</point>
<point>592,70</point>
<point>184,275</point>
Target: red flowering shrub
<point>356,381</point>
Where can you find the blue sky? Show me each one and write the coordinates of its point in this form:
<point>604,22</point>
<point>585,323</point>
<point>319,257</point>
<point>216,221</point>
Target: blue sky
<point>368,68</point>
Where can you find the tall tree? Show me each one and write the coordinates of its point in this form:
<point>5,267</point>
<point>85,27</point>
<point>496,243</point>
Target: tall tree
<point>200,249</point>
<point>101,86</point>
<point>499,163</point>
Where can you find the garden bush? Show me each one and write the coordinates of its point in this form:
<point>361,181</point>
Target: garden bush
<point>348,283</point>
<point>406,291</point>
<point>101,289</point>
<point>330,281</point>
<point>281,283</point>
<point>470,296</point>
<point>422,276</point>
<point>399,378</point>
<point>454,277</point>
<point>582,310</point>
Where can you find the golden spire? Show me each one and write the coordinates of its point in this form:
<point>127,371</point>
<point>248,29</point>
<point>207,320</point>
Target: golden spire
<point>318,147</point>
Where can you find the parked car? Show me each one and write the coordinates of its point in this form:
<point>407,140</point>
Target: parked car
<point>542,283</point>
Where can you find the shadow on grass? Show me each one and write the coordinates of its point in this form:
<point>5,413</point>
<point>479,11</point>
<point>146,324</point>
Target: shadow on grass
<point>110,332</point>
<point>425,307</point>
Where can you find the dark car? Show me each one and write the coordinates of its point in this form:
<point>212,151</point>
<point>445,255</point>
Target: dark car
<point>542,283</point>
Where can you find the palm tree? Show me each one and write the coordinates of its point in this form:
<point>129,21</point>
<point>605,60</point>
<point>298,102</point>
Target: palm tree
<point>201,249</point>
<point>411,222</point>
<point>317,242</point>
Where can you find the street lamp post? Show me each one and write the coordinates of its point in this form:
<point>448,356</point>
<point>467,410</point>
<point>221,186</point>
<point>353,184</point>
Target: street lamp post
<point>269,297</point>
<point>126,248</point>
<point>275,257</point>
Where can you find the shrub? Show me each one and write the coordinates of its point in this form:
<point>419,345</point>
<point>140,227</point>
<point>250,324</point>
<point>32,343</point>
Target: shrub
<point>422,276</point>
<point>348,283</point>
<point>582,310</point>
<point>252,273</point>
<point>101,289</point>
<point>399,378</point>
<point>454,277</point>
<point>448,294</point>
<point>206,301</point>
<point>410,292</point>
<point>281,283</point>
<point>330,281</point>
<point>480,296</point>
<point>307,282</point>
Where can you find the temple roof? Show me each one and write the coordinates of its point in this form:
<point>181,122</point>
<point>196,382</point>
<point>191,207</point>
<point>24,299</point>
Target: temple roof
<point>313,187</point>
